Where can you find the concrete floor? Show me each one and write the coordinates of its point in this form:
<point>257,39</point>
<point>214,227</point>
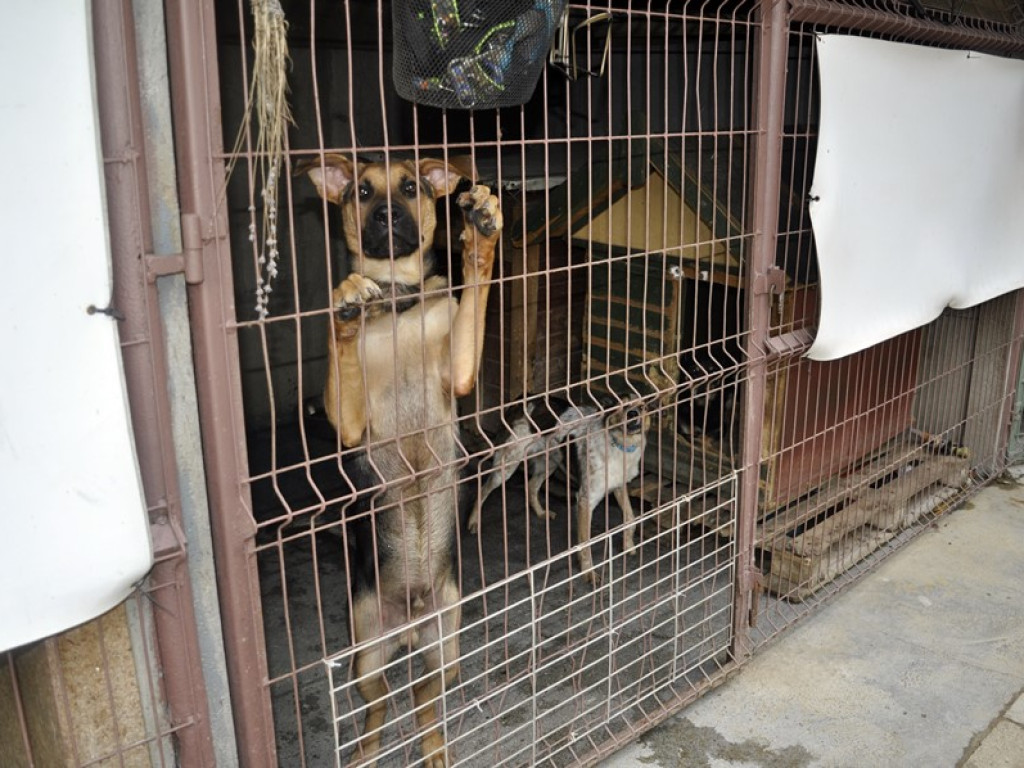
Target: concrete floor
<point>920,664</point>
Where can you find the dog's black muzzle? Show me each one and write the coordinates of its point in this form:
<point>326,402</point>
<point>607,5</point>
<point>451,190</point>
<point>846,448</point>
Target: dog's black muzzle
<point>387,226</point>
<point>634,421</point>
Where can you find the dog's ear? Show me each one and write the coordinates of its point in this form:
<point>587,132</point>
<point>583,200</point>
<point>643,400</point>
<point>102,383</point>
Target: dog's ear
<point>442,177</point>
<point>330,177</point>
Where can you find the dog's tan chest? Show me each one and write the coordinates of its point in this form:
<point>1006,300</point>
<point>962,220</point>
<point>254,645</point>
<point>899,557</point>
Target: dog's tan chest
<point>615,465</point>
<point>402,356</point>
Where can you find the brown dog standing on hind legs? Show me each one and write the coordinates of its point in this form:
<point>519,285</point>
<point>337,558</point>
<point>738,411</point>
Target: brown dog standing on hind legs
<point>402,349</point>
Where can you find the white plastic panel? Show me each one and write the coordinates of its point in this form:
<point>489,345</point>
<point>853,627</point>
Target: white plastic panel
<point>75,536</point>
<point>918,194</point>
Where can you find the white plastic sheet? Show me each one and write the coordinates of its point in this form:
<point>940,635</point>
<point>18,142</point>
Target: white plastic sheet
<point>918,193</point>
<point>73,529</point>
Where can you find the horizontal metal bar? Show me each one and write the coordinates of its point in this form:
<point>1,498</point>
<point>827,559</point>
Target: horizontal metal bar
<point>829,13</point>
<point>162,265</point>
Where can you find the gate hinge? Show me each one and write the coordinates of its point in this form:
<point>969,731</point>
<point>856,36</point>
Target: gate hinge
<point>189,261</point>
<point>774,281</point>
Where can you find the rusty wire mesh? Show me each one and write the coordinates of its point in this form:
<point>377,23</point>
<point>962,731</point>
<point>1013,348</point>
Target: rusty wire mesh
<point>861,453</point>
<point>624,276</point>
<point>640,213</point>
<point>617,282</point>
<point>127,687</point>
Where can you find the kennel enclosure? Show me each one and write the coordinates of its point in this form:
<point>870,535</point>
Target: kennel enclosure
<point>657,249</point>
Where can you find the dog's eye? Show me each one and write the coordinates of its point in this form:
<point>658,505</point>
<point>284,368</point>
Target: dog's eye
<point>632,414</point>
<point>365,191</point>
<point>409,188</point>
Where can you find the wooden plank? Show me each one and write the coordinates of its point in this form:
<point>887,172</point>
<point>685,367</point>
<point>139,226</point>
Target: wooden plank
<point>803,563</point>
<point>885,507</point>
<point>688,262</point>
<point>69,685</point>
<point>675,464</point>
<point>893,506</point>
<point>523,332</point>
<point>654,218</point>
<point>697,196</point>
<point>606,172</point>
<point>797,577</point>
<point>838,490</point>
<point>822,423</point>
<point>922,504</point>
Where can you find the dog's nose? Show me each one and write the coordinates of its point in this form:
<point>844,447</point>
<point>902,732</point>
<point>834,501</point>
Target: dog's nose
<point>386,215</point>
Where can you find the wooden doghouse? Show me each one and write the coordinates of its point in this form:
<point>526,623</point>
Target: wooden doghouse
<point>672,243</point>
<point>544,293</point>
<point>653,252</point>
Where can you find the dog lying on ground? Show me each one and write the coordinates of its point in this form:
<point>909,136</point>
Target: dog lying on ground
<point>608,449</point>
<point>402,348</point>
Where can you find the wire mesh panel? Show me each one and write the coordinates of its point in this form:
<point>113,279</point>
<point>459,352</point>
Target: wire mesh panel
<point>860,453</point>
<point>127,688</point>
<point>522,404</point>
<point>532,566</point>
<point>549,670</point>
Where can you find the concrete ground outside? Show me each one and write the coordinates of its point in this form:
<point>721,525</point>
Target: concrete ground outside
<point>918,665</point>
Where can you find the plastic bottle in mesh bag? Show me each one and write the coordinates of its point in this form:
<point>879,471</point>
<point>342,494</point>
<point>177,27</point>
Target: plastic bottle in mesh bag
<point>471,54</point>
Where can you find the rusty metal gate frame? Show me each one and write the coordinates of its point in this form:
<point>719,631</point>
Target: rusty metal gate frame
<point>180,685</point>
<point>201,166</point>
<point>195,100</point>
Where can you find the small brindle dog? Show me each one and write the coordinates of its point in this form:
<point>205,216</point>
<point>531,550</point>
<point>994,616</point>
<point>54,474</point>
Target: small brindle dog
<point>608,451</point>
<point>402,349</point>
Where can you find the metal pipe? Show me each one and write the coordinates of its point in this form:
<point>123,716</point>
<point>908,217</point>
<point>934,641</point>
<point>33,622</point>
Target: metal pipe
<point>145,370</point>
<point>833,14</point>
<point>192,53</point>
<point>171,293</point>
<point>771,92</point>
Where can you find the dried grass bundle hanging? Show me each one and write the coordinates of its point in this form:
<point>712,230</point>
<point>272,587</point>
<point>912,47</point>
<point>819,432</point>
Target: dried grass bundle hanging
<point>267,104</point>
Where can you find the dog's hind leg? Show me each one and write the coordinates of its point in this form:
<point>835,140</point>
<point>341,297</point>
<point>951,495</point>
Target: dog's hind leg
<point>439,643</point>
<point>586,500</point>
<point>539,470</point>
<point>622,496</point>
<point>501,471</point>
<point>369,673</point>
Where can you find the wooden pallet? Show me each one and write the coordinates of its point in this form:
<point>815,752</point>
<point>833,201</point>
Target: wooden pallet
<point>812,542</point>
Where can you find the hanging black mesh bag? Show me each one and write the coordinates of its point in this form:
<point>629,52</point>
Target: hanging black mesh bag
<point>471,54</point>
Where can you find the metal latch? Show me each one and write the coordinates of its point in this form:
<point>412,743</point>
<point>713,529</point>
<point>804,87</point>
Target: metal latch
<point>189,261</point>
<point>774,281</point>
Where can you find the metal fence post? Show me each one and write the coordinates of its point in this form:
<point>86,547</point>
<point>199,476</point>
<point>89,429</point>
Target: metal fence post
<point>192,53</point>
<point>771,91</point>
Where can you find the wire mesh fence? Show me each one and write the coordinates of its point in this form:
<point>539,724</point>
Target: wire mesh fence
<point>511,446</point>
<point>611,373</point>
<point>549,464</point>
